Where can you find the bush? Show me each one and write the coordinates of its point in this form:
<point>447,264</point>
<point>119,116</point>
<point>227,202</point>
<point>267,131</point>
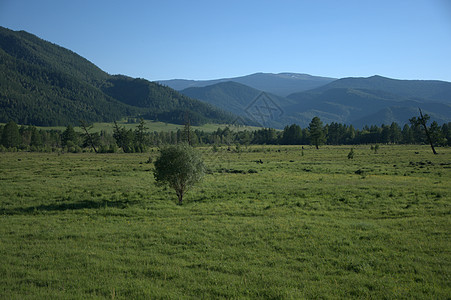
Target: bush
<point>179,166</point>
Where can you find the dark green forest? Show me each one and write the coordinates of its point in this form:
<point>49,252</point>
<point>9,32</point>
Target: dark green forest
<point>44,84</point>
<point>29,138</point>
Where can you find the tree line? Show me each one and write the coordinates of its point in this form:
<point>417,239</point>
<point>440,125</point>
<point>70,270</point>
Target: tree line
<point>29,138</point>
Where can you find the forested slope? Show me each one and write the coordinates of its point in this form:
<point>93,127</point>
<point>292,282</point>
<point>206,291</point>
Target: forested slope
<point>44,84</point>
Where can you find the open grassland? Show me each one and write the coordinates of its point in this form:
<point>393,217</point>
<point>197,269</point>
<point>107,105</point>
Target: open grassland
<point>152,126</point>
<point>301,224</point>
<point>163,127</point>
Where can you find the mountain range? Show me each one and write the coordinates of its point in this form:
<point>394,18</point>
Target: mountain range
<point>281,84</point>
<point>373,100</point>
<point>44,84</point>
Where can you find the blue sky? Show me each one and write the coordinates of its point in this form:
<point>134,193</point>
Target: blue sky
<point>166,39</point>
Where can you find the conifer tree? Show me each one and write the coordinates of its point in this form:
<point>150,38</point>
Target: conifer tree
<point>10,135</point>
<point>316,131</point>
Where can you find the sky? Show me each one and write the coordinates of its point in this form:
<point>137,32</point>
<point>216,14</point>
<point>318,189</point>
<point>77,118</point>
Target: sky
<point>207,39</point>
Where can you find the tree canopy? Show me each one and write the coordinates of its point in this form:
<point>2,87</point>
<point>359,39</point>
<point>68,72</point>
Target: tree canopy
<point>179,166</point>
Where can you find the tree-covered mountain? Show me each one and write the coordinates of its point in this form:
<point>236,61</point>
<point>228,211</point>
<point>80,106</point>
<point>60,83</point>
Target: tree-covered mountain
<point>230,96</point>
<point>375,100</point>
<point>44,84</point>
<point>243,100</point>
<point>433,90</point>
<point>281,84</point>
<point>162,103</point>
<point>439,112</point>
<point>361,107</point>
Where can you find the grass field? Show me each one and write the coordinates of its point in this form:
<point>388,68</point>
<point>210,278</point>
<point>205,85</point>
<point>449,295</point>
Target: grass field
<point>302,224</point>
<point>153,126</point>
<point>165,127</point>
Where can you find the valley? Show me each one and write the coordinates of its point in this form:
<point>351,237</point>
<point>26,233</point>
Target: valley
<point>313,187</point>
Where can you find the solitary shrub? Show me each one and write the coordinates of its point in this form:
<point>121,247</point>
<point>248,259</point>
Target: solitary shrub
<point>180,167</point>
<point>375,148</point>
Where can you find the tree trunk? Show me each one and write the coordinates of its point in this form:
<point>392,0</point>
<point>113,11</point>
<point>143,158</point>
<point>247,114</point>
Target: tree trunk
<point>429,139</point>
<point>85,128</point>
<point>180,196</point>
<point>423,122</point>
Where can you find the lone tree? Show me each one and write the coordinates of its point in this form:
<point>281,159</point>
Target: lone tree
<point>316,131</point>
<point>180,167</point>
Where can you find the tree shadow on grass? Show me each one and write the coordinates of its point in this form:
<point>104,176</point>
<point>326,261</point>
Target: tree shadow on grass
<point>85,204</point>
<point>200,199</point>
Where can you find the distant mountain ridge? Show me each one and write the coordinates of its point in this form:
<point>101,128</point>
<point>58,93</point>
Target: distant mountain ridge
<point>433,90</point>
<point>44,84</point>
<point>230,95</point>
<point>237,98</point>
<point>227,95</point>
<point>361,107</point>
<point>281,84</point>
<point>374,100</point>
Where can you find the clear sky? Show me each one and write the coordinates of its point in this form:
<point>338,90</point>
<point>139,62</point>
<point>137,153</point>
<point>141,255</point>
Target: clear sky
<point>205,39</point>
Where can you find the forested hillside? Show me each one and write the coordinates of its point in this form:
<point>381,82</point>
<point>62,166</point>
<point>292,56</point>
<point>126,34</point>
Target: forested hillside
<point>162,103</point>
<point>360,107</point>
<point>433,90</point>
<point>44,84</point>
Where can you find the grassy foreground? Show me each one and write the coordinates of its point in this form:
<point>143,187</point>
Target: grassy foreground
<point>302,224</point>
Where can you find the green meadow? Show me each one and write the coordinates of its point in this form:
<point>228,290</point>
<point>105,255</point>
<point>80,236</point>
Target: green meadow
<point>151,127</point>
<point>160,127</point>
<point>272,222</point>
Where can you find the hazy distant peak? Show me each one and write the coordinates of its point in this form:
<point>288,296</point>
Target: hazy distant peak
<point>281,84</point>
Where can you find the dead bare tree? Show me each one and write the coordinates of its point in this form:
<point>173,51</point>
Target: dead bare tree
<point>422,120</point>
<point>89,137</point>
